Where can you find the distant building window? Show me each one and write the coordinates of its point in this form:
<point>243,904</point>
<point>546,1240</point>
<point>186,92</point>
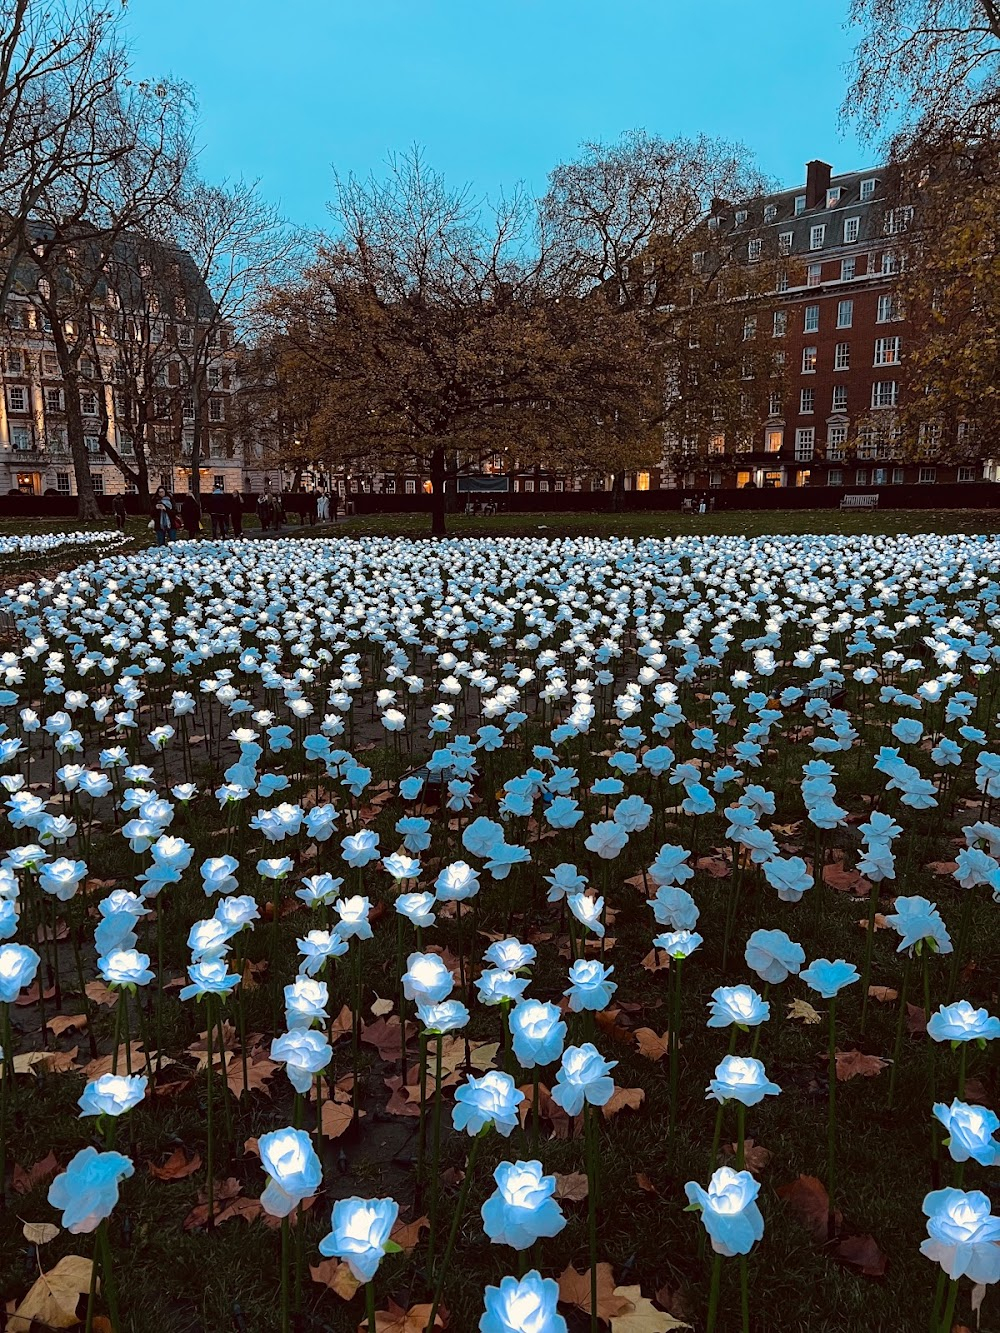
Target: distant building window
<point>779,323</point>
<point>800,205</point>
<point>898,219</point>
<point>741,216</point>
<point>898,476</point>
<point>833,196</point>
<point>17,398</point>
<point>214,377</point>
<point>774,405</point>
<point>410,487</point>
<point>885,393</point>
<point>529,484</point>
<point>890,262</point>
<point>15,363</point>
<point>926,475</point>
<point>817,236</point>
<point>842,356</point>
<point>845,314</point>
<point>888,310</point>
<point>868,188</point>
<point>184,336</point>
<point>62,483</point>
<point>53,400</point>
<point>749,328</point>
<point>641,482</point>
<point>805,443</point>
<point>754,249</point>
<point>861,477</point>
<point>807,401</point>
<point>880,476</point>
<point>836,439</point>
<point>774,437</point>
<point>92,444</point>
<point>698,260</point>
<point>848,268</point>
<point>97,481</point>
<point>785,242</point>
<point>88,403</point>
<point>219,482</point>
<point>809,360</point>
<point>215,409</point>
<point>770,212</point>
<point>20,439</point>
<point>839,398</point>
<point>389,486</point>
<point>852,227</point>
<point>966,474</point>
<point>187,409</point>
<point>715,480</point>
<point>835,476</point>
<point>887,351</point>
<point>814,275</point>
<point>810,323</point>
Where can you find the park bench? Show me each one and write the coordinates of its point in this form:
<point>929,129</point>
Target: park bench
<point>859,501</point>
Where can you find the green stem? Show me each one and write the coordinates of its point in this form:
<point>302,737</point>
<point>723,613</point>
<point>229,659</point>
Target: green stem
<point>284,1276</point>
<point>455,1223</point>
<point>741,1115</point>
<point>370,1306</point>
<point>744,1293</point>
<point>713,1295</point>
<point>422,1125</point>
<point>897,1049</point>
<point>949,1309</point>
<point>589,1142</point>
<point>107,1273</point>
<point>831,1124</point>
<point>435,1156</point>
<point>5,1082</point>
<point>869,948</point>
<point>211,1095</point>
<point>931,1055</point>
<point>356,1030</point>
<point>675,1038</point>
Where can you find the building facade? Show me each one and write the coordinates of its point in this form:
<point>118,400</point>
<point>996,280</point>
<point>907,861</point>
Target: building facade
<point>842,335</point>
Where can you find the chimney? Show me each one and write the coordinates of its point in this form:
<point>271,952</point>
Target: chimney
<point>817,182</point>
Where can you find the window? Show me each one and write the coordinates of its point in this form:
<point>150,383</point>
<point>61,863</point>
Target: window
<point>887,351</point>
<point>814,275</point>
<point>835,477</point>
<point>715,480</point>
<point>716,445</point>
<point>880,476</point>
<point>888,310</point>
<point>698,260</point>
<point>868,189</point>
<point>898,476</point>
<point>845,314</point>
<point>126,446</point>
<point>817,235</point>
<point>62,483</point>
<point>800,204</point>
<point>53,400</point>
<point>749,328</point>
<point>966,474</point>
<point>809,360</point>
<point>741,216</point>
<point>218,481</point>
<point>927,474</point>
<point>215,409</point>
<point>50,363</point>
<point>187,408</point>
<point>56,439</point>
<point>779,323</point>
<point>848,268</point>
<point>97,481</point>
<point>839,403</point>
<point>861,476</point>
<point>410,487</point>
<point>810,322</point>
<point>890,262</point>
<point>15,363</point>
<point>754,249</point>
<point>805,441</point>
<point>774,405</point>
<point>884,393</point>
<point>807,401</point>
<point>184,336</point>
<point>836,439</point>
<point>770,212</point>
<point>20,438</point>
<point>833,196</point>
<point>898,219</point>
<point>88,403</point>
<point>781,282</point>
<point>92,444</point>
<point>214,377</point>
<point>17,398</point>
<point>774,438</point>
<point>929,437</point>
<point>842,356</point>
<point>785,242</point>
<point>851,228</point>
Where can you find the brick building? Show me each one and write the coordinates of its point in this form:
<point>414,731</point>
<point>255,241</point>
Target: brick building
<point>843,338</point>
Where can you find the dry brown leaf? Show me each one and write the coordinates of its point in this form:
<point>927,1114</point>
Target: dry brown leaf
<point>652,1046</point>
<point>716,866</point>
<point>573,1186</point>
<point>574,1289</point>
<point>622,1099</point>
<point>101,994</point>
<point>755,1156</point>
<point>336,1276</point>
<point>66,1023</point>
<point>942,867</point>
<point>863,1253</point>
<point>836,874</point>
<point>336,1118</point>
<point>177,1166</point>
<point>399,1103</point>
<point>30,996</point>
<point>258,1073</point>
<point>643,1316</point>
<point>657,960</point>
<point>644,1183</point>
<point>385,1035</point>
<point>807,1198</point>
<point>851,1064</point>
<point>884,994</point>
<point>382,1007</point>
<point>804,1012</point>
<point>39,1233</point>
<point>916,1019</point>
<point>407,1234</point>
<point>53,1298</point>
<point>24,1181</point>
<point>395,1319</point>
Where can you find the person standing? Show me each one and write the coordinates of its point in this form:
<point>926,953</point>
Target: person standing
<point>163,516</point>
<point>217,509</point>
<point>236,513</point>
<point>323,507</point>
<point>191,514</point>
<point>118,509</point>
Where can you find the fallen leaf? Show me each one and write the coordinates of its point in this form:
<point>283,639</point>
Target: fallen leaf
<point>804,1012</point>
<point>24,1181</point>
<point>652,1046</point>
<point>66,1023</point>
<point>336,1276</point>
<point>837,875</point>
<point>884,994</point>
<point>880,923</point>
<point>755,1156</point>
<point>807,1198</point>
<point>407,1234</point>
<point>644,1183</point>
<point>177,1166</point>
<point>573,1186</point>
<point>395,1319</point>
<point>386,1036</point>
<point>337,1118</point>
<point>851,1064</point>
<point>136,1054</point>
<point>39,1233</point>
<point>258,1073</point>
<point>643,1316</point>
<point>30,996</point>
<point>622,1098</point>
<point>574,1289</point>
<point>382,1007</point>
<point>942,867</point>
<point>53,1298</point>
<point>716,866</point>
<point>657,960</point>
<point>863,1253</point>
<point>916,1019</point>
<point>101,994</point>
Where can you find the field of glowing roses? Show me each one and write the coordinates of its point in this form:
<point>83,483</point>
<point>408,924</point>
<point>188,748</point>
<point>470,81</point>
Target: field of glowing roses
<point>513,935</point>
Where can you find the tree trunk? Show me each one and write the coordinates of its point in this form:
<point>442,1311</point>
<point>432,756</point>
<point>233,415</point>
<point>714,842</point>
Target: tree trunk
<point>88,510</point>
<point>199,410</point>
<point>438,527</point>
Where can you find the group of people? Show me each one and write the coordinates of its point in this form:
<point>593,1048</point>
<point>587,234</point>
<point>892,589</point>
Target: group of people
<point>171,513</point>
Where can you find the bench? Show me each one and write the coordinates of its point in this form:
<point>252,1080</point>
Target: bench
<point>859,501</point>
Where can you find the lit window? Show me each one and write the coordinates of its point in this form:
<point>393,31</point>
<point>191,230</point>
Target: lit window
<point>641,482</point>
<point>773,440</point>
<point>845,314</point>
<point>810,322</point>
<point>852,227</point>
<point>887,351</point>
<point>842,356</point>
<point>809,360</point>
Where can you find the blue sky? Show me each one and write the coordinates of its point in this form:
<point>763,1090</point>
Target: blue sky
<point>495,91</point>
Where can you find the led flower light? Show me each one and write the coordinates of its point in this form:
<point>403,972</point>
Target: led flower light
<point>18,965</point>
<point>959,1022</point>
<point>729,1210</point>
<point>525,1305</point>
<point>112,1094</point>
<point>739,1005</point>
<point>537,1032</point>
<point>970,1130</point>
<point>963,1236</point>
<point>294,1171</point>
<point>521,1209</point>
<point>741,1079</point>
<point>583,1076</point>
<point>87,1190</point>
<point>590,986</point>
<point>360,1230</point>
<point>427,979</point>
<point>490,1100</point>
<point>773,956</point>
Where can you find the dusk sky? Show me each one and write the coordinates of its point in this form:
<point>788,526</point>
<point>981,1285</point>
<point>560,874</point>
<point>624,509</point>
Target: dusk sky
<point>494,92</point>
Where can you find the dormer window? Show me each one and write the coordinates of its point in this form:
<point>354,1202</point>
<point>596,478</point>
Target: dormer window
<point>868,188</point>
<point>833,196</point>
<point>800,204</point>
<point>741,216</point>
<point>770,212</point>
